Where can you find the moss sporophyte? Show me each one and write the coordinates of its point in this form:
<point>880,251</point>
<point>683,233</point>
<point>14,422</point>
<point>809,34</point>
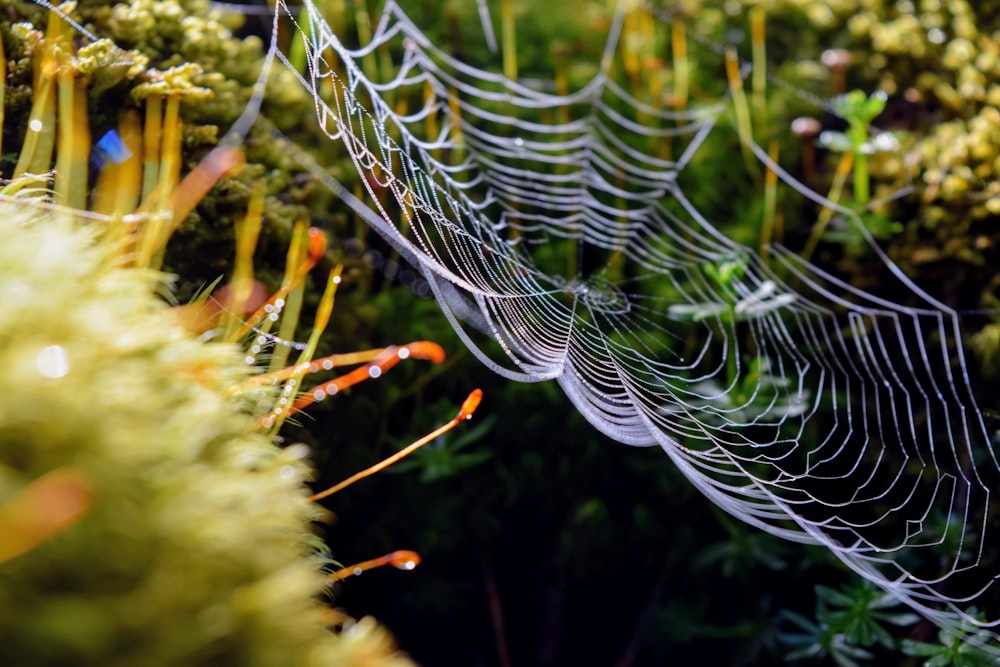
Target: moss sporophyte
<point>148,514</point>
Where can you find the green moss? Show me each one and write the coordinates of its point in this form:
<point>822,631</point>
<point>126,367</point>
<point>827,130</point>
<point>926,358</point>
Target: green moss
<point>196,547</point>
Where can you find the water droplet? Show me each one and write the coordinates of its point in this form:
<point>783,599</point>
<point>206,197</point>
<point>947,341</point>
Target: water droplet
<point>273,317</point>
<point>319,394</point>
<point>336,280</point>
<point>35,125</point>
<point>403,353</point>
<point>52,361</point>
<point>374,372</point>
<point>286,472</point>
<point>298,451</point>
<point>327,364</point>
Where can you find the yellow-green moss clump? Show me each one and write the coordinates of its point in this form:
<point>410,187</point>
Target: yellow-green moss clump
<point>193,544</point>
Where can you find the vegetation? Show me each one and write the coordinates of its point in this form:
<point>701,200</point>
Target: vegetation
<point>540,540</point>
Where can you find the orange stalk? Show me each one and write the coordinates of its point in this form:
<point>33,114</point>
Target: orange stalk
<point>468,408</point>
<point>385,360</point>
<point>222,161</point>
<point>403,559</point>
<point>417,350</point>
<point>46,507</point>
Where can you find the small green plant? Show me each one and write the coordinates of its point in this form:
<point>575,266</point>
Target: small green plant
<point>859,110</point>
<point>951,650</point>
<point>849,623</point>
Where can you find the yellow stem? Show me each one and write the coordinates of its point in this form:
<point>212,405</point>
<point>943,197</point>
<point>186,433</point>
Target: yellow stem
<point>742,109</point>
<point>508,27</point>
<point>457,138</point>
<point>294,295</point>
<point>678,44</point>
<point>160,200</point>
<point>129,186</point>
<point>151,140</point>
<point>630,46</point>
<point>769,226</point>
<point>73,141</point>
<point>322,318</point>
<point>836,190</point>
<point>36,149</point>
<point>758,26</point>
<point>247,233</point>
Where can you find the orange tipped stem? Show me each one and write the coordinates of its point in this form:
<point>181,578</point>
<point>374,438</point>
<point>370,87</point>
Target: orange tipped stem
<point>381,362</point>
<point>468,408</point>
<point>418,350</point>
<point>222,161</point>
<point>44,508</point>
<point>403,559</point>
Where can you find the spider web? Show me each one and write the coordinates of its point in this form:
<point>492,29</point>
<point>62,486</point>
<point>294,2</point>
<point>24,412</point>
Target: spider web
<point>556,225</point>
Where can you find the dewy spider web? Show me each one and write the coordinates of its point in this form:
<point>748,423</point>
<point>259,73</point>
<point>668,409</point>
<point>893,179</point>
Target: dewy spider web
<point>798,403</point>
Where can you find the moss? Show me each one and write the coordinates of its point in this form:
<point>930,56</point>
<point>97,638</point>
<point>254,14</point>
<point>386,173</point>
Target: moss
<point>146,516</point>
<point>196,546</point>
